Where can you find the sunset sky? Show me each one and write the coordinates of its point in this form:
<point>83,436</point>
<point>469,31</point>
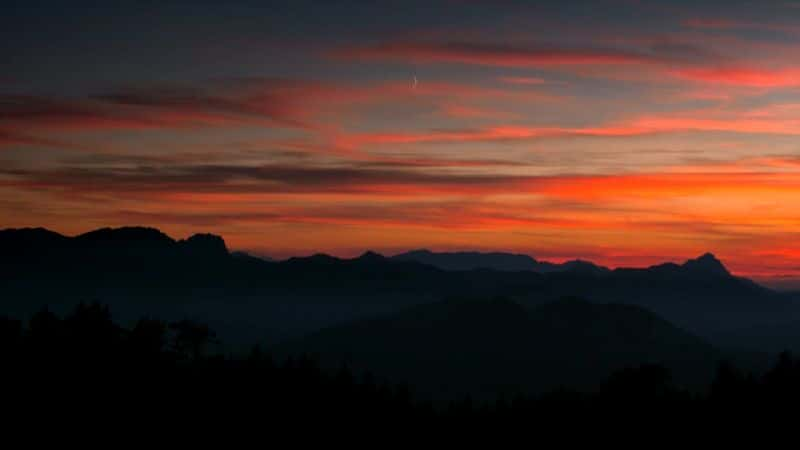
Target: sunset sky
<point>623,132</point>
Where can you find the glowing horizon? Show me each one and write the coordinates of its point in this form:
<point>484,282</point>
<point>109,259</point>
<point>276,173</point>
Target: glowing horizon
<point>623,133</point>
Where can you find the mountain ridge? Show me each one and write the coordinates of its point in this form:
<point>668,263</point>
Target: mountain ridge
<point>139,265</point>
<point>504,261</point>
<point>36,238</point>
<point>498,346</point>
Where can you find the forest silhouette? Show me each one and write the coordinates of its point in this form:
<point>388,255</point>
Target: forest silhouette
<point>86,358</point>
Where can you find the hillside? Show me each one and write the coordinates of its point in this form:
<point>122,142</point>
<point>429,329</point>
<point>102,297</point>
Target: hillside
<point>498,346</point>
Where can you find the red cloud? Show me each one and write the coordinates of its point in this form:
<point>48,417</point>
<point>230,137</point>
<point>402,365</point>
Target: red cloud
<point>523,80</point>
<point>27,113</point>
<point>8,139</point>
<point>287,103</point>
<point>13,139</point>
<point>633,127</point>
<point>743,76</point>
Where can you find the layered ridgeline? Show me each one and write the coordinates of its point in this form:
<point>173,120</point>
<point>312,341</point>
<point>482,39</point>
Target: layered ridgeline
<point>494,261</point>
<point>143,271</point>
<point>491,347</point>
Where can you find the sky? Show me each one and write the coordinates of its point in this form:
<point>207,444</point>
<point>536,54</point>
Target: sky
<point>624,132</point>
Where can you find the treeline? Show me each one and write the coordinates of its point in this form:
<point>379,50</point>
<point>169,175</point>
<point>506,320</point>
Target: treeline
<point>87,359</point>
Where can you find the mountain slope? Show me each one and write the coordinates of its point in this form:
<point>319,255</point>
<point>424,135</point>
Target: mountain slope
<point>498,346</point>
<point>470,260</point>
<point>126,254</point>
<point>460,261</point>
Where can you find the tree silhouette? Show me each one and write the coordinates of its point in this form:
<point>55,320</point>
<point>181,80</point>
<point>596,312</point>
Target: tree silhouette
<point>89,360</point>
<point>191,338</point>
<point>10,337</point>
<point>46,336</point>
<point>637,383</point>
<point>91,332</point>
<point>148,338</point>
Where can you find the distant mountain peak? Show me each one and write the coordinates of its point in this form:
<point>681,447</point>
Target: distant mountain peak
<point>369,255</point>
<point>31,233</point>
<point>130,234</point>
<point>205,244</point>
<point>316,258</point>
<point>418,251</point>
<point>469,260</point>
<point>707,263</point>
<point>501,261</point>
<point>582,265</point>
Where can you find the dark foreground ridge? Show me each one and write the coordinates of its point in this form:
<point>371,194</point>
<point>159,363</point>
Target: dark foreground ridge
<point>165,371</point>
<point>498,347</point>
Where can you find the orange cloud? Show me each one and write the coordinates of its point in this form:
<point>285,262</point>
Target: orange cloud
<point>743,76</point>
<point>669,185</point>
<point>736,124</point>
<point>617,218</point>
<point>634,127</point>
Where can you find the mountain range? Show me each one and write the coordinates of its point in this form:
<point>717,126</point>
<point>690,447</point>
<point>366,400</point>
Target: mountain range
<point>39,248</point>
<point>494,260</point>
<point>143,271</point>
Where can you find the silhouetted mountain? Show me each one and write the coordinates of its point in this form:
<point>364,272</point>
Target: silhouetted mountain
<point>142,270</point>
<point>29,243</point>
<point>207,246</point>
<point>13,239</point>
<point>493,260</point>
<point>244,256</point>
<point>115,249</point>
<point>576,265</point>
<point>470,260</point>
<point>370,271</point>
<point>134,253</point>
<point>371,257</point>
<point>488,347</point>
<point>707,264</point>
<point>126,237</point>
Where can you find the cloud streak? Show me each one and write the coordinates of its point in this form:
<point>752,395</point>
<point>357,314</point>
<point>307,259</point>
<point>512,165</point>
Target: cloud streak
<point>494,54</point>
<point>744,76</point>
<point>416,177</point>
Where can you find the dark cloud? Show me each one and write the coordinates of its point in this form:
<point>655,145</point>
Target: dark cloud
<point>190,218</point>
<point>231,178</point>
<point>439,163</point>
<point>440,213</point>
<point>496,54</point>
<point>27,112</point>
<point>235,100</point>
<point>277,102</point>
<point>12,139</point>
